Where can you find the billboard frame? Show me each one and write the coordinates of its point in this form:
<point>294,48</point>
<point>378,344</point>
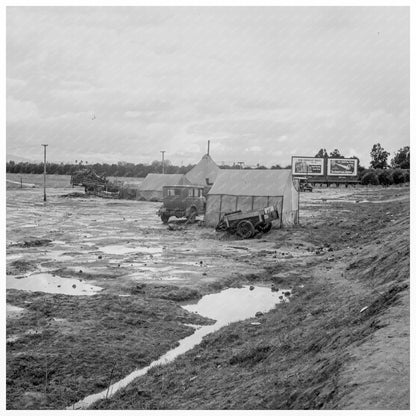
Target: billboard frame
<point>344,173</point>
<point>318,160</point>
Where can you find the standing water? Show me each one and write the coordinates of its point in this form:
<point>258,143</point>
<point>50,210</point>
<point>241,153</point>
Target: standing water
<point>230,305</point>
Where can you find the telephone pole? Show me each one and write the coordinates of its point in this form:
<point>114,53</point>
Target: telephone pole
<point>44,171</point>
<point>163,160</point>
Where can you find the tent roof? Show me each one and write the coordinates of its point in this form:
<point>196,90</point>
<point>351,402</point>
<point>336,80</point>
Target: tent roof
<point>156,181</point>
<point>206,168</point>
<point>252,182</point>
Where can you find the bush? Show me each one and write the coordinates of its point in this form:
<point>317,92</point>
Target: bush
<point>385,177</point>
<point>398,176</point>
<point>370,178</point>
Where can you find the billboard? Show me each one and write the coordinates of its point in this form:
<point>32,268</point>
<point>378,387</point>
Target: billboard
<point>342,167</point>
<point>307,166</point>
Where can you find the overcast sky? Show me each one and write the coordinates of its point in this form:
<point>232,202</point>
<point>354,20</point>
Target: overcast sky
<point>109,84</point>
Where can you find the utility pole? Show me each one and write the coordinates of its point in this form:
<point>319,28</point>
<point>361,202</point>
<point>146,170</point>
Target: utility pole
<point>163,161</point>
<point>44,171</point>
<point>208,149</point>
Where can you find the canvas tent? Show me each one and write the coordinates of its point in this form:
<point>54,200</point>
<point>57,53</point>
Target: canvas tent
<point>151,188</point>
<point>249,190</point>
<point>206,169</point>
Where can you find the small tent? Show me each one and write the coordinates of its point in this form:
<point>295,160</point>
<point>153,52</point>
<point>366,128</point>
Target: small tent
<point>151,189</point>
<point>249,190</point>
<point>204,173</point>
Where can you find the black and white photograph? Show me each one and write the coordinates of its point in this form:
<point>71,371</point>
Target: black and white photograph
<point>207,206</point>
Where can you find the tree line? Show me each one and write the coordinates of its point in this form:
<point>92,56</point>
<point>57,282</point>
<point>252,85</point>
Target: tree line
<point>380,171</point>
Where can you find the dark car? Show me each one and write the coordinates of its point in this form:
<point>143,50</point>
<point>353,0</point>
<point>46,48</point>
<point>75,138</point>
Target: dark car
<point>182,201</point>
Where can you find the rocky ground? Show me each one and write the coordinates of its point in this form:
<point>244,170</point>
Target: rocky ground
<point>342,342</point>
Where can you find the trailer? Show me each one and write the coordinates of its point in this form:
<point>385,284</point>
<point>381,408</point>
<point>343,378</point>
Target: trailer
<point>247,224</point>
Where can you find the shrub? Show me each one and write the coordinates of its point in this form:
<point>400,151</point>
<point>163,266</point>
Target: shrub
<point>370,178</point>
<point>398,176</point>
<point>385,177</point>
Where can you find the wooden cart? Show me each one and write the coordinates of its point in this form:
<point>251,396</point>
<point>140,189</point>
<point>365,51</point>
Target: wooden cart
<point>246,224</point>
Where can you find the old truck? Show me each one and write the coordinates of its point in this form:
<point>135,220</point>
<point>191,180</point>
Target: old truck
<point>182,201</point>
<point>247,224</point>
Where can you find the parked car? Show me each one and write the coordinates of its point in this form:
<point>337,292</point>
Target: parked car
<point>182,201</point>
<point>304,185</point>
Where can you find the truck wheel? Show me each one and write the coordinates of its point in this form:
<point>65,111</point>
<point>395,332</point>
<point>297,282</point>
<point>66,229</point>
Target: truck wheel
<point>165,218</point>
<point>245,229</point>
<point>192,216</point>
<point>265,228</point>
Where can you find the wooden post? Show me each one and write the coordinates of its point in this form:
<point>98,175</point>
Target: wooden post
<point>44,171</point>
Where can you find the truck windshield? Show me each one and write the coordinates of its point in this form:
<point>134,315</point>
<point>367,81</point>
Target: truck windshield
<point>173,192</point>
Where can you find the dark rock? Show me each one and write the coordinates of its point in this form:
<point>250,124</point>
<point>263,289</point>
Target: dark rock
<point>251,287</point>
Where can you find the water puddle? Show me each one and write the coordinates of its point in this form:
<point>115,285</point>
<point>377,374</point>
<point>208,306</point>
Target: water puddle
<point>120,249</point>
<point>11,257</point>
<point>230,305</point>
<point>58,255</point>
<point>47,282</point>
<point>13,311</point>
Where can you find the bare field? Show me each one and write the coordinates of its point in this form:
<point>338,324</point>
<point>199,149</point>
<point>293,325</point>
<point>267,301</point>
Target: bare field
<point>351,251</point>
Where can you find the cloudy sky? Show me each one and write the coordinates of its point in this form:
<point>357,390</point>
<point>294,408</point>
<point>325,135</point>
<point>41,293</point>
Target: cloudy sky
<point>109,84</point>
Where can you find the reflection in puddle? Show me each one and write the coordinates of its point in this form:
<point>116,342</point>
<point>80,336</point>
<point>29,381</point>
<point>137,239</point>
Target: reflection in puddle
<point>230,305</point>
<point>235,304</point>
<point>46,282</point>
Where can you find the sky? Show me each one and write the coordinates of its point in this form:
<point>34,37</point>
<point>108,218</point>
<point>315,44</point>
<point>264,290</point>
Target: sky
<point>263,84</point>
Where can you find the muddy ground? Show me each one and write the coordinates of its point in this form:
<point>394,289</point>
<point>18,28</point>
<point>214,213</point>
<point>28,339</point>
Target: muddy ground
<point>342,342</point>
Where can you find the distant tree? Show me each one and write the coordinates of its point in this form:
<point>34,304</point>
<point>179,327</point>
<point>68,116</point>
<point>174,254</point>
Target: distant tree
<point>379,157</point>
<point>276,167</point>
<point>336,153</point>
<point>401,158</point>
<point>322,153</point>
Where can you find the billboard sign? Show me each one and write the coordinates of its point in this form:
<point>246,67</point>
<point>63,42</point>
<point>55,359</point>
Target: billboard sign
<point>307,166</point>
<point>342,167</point>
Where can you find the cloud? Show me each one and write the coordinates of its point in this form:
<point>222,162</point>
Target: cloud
<point>272,78</point>
<point>21,110</point>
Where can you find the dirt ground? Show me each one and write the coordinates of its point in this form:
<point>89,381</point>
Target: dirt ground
<point>342,342</point>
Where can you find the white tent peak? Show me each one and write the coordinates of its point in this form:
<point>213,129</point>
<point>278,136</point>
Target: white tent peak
<point>205,169</point>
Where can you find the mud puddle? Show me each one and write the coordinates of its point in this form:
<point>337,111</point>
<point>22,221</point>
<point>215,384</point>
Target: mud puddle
<point>47,282</point>
<point>228,306</point>
<point>13,311</point>
<point>118,249</point>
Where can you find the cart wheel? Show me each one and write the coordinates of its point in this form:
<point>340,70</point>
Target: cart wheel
<point>245,229</point>
<point>164,218</point>
<point>265,228</point>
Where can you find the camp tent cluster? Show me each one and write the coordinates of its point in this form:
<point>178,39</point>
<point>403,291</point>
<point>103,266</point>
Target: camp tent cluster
<point>232,190</point>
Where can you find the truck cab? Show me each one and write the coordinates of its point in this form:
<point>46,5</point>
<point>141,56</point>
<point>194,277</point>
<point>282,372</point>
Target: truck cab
<point>182,201</point>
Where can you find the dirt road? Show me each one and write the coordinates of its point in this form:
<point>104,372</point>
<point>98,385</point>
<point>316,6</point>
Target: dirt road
<point>342,341</point>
